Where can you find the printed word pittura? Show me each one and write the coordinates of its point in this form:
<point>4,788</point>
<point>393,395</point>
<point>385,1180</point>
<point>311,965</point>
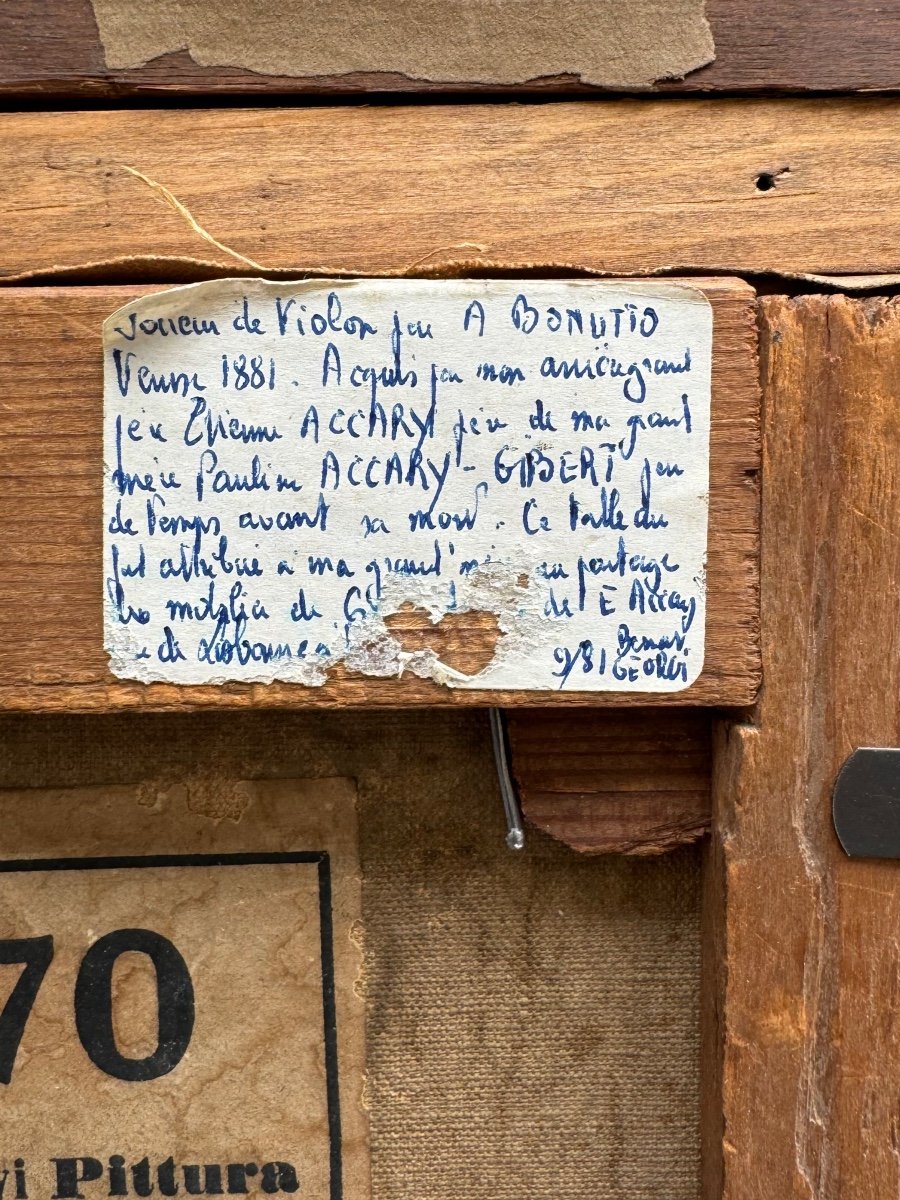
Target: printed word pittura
<point>83,1177</point>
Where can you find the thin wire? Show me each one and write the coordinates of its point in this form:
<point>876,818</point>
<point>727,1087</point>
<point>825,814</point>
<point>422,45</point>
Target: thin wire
<point>515,837</point>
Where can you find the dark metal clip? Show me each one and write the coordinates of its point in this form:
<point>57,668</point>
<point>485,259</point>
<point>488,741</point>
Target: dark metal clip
<point>865,803</point>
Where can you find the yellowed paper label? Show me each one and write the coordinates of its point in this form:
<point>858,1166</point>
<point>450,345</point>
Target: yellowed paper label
<point>180,1007</point>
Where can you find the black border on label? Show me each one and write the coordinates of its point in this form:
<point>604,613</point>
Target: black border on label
<point>321,860</point>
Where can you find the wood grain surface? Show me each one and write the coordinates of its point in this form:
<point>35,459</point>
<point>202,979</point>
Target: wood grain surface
<point>621,187</point>
<point>51,640</point>
<point>804,941</point>
<point>635,782</point>
<point>52,47</point>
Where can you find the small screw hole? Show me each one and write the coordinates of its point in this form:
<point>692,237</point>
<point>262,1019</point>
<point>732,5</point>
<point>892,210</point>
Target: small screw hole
<point>765,181</point>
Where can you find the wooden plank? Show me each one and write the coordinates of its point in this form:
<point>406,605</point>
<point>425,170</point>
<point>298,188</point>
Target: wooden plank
<point>51,47</point>
<point>635,782</point>
<point>809,1033</point>
<point>625,187</point>
<point>51,652</point>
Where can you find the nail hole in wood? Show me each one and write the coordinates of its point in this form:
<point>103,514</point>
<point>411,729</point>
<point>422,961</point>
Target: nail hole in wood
<point>766,180</point>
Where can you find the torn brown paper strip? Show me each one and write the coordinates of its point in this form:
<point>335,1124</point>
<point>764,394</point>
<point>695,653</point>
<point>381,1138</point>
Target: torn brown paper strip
<point>186,1018</point>
<point>609,42</point>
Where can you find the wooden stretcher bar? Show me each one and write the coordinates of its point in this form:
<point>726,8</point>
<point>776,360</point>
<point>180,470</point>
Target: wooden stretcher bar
<point>51,579</point>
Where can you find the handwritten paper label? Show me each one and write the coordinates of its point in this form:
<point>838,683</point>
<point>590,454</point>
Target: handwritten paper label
<point>288,465</point>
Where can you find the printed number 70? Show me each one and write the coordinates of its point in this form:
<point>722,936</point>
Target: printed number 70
<point>93,1001</point>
